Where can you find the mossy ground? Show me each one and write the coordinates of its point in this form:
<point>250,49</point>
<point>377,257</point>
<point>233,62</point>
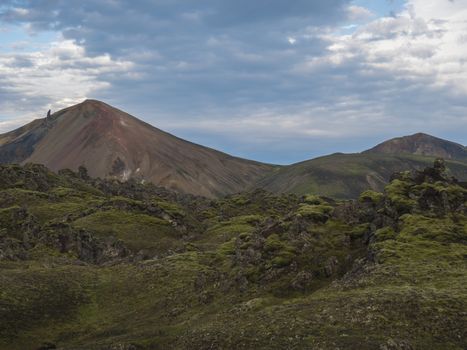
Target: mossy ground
<point>138,231</point>
<point>250,271</point>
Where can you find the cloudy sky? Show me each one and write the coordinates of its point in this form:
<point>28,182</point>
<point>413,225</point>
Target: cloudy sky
<point>273,80</point>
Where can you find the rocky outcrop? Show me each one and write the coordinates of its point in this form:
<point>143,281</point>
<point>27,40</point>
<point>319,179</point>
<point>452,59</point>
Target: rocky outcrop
<point>86,246</point>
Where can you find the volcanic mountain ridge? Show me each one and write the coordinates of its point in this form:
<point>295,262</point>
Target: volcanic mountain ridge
<point>110,142</point>
<point>422,144</point>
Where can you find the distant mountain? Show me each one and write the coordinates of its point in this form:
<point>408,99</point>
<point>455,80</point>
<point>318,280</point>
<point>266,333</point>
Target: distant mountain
<point>345,176</point>
<point>422,144</point>
<point>110,142</point>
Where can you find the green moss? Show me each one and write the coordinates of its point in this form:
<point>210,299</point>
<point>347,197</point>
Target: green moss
<point>313,199</point>
<point>315,212</point>
<point>282,260</point>
<point>57,211</point>
<point>214,280</point>
<point>452,228</point>
<point>452,193</point>
<point>7,214</point>
<point>55,205</point>
<point>385,233</point>
<point>170,208</point>
<point>227,248</point>
<point>137,231</point>
<point>281,252</point>
<point>12,220</point>
<point>398,193</point>
<point>34,297</point>
<point>42,252</point>
<point>273,243</point>
<point>240,200</point>
<point>371,196</point>
<point>359,231</point>
<point>78,192</point>
<point>225,231</point>
<point>440,186</point>
<point>257,202</point>
<point>22,197</point>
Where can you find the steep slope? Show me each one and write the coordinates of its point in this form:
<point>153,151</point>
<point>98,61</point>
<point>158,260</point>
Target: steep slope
<point>17,145</point>
<point>344,176</point>
<point>110,142</point>
<point>422,144</point>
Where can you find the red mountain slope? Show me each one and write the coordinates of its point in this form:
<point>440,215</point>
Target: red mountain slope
<point>110,142</point>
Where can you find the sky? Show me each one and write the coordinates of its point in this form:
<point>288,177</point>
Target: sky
<point>278,81</point>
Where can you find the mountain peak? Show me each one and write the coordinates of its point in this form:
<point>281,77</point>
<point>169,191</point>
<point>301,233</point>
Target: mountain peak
<point>90,105</point>
<point>420,134</point>
<point>100,114</point>
<point>92,102</point>
<point>112,143</point>
<point>421,144</point>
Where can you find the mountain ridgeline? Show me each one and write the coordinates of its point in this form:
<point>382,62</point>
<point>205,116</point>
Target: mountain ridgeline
<point>422,144</point>
<point>113,144</point>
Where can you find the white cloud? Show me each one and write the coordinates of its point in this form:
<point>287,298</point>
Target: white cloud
<point>20,12</point>
<point>288,122</point>
<point>356,13</point>
<point>423,43</point>
<point>58,76</point>
<point>8,125</point>
<point>220,71</point>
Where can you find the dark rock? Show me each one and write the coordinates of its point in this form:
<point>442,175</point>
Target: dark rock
<point>331,266</point>
<point>301,280</point>
<point>47,346</point>
<point>87,247</point>
<point>83,173</point>
<point>392,344</point>
<point>123,346</point>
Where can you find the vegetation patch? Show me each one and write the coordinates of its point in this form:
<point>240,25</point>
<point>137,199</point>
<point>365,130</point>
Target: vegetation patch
<point>137,231</point>
<point>98,264</point>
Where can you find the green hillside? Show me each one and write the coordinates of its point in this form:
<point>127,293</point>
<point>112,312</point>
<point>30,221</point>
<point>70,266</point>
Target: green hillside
<point>345,176</point>
<point>98,264</point>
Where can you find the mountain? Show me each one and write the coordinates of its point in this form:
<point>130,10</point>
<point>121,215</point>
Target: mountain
<point>344,176</point>
<point>422,144</point>
<point>110,142</point>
